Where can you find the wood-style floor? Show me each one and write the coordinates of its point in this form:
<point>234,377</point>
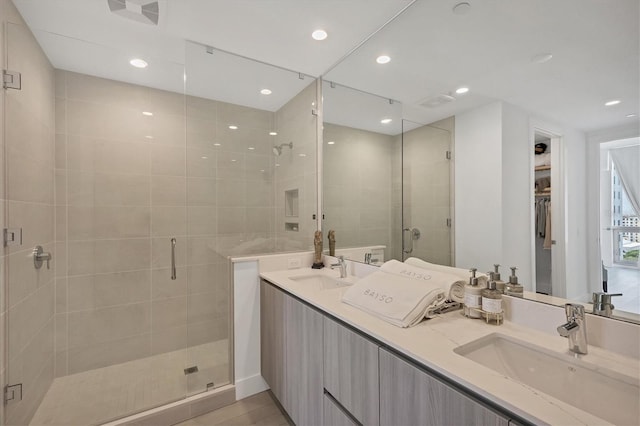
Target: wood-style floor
<point>259,409</point>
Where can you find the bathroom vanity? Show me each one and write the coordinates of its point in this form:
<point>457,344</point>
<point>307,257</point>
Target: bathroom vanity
<point>331,364</point>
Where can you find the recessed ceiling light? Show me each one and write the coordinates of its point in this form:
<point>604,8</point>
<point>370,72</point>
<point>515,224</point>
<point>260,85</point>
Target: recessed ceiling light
<point>319,35</point>
<point>461,8</point>
<point>302,155</point>
<point>265,91</point>
<point>273,133</point>
<point>204,158</point>
<point>138,63</point>
<point>386,120</point>
<point>612,102</point>
<point>233,161</point>
<point>383,59</point>
<point>232,127</point>
<point>461,90</point>
<point>216,144</point>
<point>149,137</point>
<point>541,58</point>
<point>331,143</point>
<point>251,148</point>
<point>262,170</point>
<point>147,113</point>
<point>631,115</point>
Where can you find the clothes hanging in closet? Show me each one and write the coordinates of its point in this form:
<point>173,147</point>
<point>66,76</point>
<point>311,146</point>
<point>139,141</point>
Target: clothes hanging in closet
<point>543,220</point>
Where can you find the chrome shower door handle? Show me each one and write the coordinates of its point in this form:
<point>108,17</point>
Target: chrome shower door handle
<point>173,259</point>
<point>414,234</point>
<point>410,240</point>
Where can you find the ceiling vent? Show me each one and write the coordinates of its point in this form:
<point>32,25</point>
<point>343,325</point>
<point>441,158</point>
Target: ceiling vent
<point>436,101</point>
<point>145,11</point>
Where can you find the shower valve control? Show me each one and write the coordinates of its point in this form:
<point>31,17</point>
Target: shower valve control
<point>39,256</point>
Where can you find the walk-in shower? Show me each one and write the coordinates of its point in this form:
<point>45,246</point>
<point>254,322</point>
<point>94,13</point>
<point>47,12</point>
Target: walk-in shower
<point>141,193</point>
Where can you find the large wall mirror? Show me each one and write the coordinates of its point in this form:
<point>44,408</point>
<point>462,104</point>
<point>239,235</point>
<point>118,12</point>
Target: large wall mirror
<point>497,79</point>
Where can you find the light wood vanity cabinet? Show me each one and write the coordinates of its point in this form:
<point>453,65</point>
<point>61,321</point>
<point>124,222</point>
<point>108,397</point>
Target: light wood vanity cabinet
<point>325,373</point>
<point>335,415</point>
<point>291,354</point>
<point>272,331</point>
<point>351,371</point>
<point>410,396</point>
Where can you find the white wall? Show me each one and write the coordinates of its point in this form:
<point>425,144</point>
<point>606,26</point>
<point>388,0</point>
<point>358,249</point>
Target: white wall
<point>517,204</point>
<point>494,181</point>
<point>478,182</point>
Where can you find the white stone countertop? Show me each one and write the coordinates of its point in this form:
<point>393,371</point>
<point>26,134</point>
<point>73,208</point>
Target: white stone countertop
<point>431,343</point>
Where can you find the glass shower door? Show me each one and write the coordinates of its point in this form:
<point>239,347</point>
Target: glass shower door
<point>96,175</point>
<point>426,192</point>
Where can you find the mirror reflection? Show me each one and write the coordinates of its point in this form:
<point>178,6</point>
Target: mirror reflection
<point>503,95</point>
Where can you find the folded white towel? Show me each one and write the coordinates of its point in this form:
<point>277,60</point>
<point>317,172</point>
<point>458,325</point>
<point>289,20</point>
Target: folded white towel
<point>399,294</point>
<point>454,290</point>
<point>543,159</point>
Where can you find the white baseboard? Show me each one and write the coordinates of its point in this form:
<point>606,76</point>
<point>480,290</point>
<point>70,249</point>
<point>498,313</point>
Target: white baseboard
<point>250,386</point>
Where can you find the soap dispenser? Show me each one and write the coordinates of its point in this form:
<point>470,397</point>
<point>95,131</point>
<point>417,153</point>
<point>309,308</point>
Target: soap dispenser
<point>496,274</point>
<point>492,297</point>
<point>512,288</point>
<point>473,296</point>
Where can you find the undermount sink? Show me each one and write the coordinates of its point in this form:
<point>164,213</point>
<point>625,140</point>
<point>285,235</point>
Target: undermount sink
<point>607,394</point>
<point>320,282</point>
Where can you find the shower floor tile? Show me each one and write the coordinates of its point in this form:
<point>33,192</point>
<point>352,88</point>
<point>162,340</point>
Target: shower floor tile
<point>103,394</point>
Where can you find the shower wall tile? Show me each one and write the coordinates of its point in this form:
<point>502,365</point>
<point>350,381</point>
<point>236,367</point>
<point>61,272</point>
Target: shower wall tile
<point>201,220</point>
<point>231,220</point>
<point>124,321</point>
<point>231,192</point>
<point>260,193</point>
<point>259,219</point>
<point>201,191</point>
<point>108,353</point>
<point>163,287</point>
<point>202,278</point>
<point>104,256</point>
<point>165,129</point>
<point>29,157</point>
<point>121,222</point>
<point>203,250</point>
<point>169,339</point>
<point>169,313</point>
<point>122,255</point>
<point>168,191</point>
<point>201,161</point>
<point>168,221</point>
<point>168,160</point>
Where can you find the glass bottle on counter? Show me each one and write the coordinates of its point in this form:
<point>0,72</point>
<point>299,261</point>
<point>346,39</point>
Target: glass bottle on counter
<point>472,296</point>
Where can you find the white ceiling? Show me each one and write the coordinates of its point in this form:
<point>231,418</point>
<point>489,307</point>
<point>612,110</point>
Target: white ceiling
<point>595,44</point>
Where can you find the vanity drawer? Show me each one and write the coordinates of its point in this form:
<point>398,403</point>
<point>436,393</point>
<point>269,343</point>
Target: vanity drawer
<point>335,415</point>
<point>410,396</point>
<point>351,371</point>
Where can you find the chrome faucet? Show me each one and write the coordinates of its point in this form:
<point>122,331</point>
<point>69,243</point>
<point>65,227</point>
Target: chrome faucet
<point>342,265</point>
<point>575,328</point>
<point>602,303</point>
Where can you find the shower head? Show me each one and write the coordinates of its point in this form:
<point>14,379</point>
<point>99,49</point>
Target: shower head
<point>277,149</point>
